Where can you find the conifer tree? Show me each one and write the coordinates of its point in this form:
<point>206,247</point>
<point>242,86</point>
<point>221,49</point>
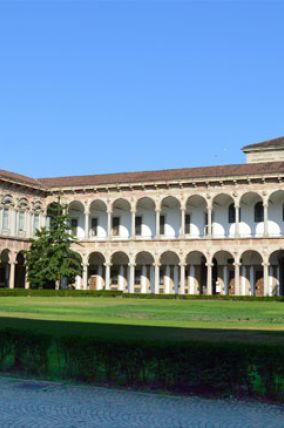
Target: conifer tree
<point>50,259</point>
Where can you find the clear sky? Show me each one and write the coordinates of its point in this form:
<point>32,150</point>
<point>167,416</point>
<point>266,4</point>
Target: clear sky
<point>98,86</point>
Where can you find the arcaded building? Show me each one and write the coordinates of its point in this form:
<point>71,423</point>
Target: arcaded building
<point>208,230</point>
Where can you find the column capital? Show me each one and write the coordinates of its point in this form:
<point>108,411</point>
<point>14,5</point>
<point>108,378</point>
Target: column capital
<point>156,264</point>
<point>209,264</point>
<point>131,264</point>
<point>107,264</point>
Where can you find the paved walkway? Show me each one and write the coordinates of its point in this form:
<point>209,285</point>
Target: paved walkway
<point>35,404</point>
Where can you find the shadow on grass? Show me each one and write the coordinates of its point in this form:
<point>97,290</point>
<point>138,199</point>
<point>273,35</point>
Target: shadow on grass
<point>128,333</point>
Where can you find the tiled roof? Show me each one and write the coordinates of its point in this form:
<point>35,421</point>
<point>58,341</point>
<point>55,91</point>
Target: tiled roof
<point>7,175</point>
<point>239,170</point>
<point>276,142</point>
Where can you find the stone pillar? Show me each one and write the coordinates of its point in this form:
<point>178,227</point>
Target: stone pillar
<point>209,232</point>
<point>251,280</point>
<point>100,278</point>
<point>107,279</point>
<point>87,216</point>
<point>191,279</point>
<point>265,211</point>
<point>131,277</point>
<point>27,284</point>
<point>265,279</point>
<point>237,279</point>
<point>182,223</point>
<point>157,278</point>
<point>225,279</point>
<point>12,275</point>
<point>109,217</point>
<point>209,278</point>
<point>120,280</point>
<point>133,217</point>
<point>158,213</point>
<point>182,278</point>
<point>85,276</point>
<point>167,280</point>
<point>278,279</point>
<point>176,279</point>
<point>244,279</point>
<point>144,279</point>
<point>237,226</point>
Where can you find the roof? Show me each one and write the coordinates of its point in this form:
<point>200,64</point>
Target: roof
<point>239,170</point>
<point>21,179</point>
<point>276,143</point>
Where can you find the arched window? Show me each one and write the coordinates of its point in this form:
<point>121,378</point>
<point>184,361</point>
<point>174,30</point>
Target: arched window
<point>231,214</point>
<point>258,212</point>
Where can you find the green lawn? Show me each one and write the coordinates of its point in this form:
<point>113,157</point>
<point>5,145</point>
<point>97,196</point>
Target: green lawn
<point>150,319</point>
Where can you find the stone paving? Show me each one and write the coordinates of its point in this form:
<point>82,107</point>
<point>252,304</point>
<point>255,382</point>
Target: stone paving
<point>36,404</point>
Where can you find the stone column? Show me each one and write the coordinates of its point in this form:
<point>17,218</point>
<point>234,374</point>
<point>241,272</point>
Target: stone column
<point>85,276</point>
<point>191,279</point>
<point>158,213</point>
<point>87,215</point>
<point>182,278</point>
<point>265,211</point>
<point>237,279</point>
<point>225,279</point>
<point>182,223</point>
<point>251,280</point>
<point>244,280</point>
<point>100,278</point>
<point>133,217</point>
<point>167,280</point>
<point>120,281</point>
<point>109,218</point>
<point>107,279</point>
<point>176,279</point>
<point>12,275</point>
<point>27,284</point>
<point>144,279</point>
<point>131,277</point>
<point>157,278</point>
<point>265,279</point>
<point>209,212</point>
<point>209,278</point>
<point>237,226</point>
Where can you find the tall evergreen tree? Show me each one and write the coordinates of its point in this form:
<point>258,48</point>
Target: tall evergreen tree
<point>50,260</point>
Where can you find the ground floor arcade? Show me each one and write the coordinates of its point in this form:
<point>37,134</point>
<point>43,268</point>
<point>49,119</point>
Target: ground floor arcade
<point>249,273</point>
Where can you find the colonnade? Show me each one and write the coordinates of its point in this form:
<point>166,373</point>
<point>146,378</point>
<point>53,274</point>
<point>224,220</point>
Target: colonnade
<point>197,216</point>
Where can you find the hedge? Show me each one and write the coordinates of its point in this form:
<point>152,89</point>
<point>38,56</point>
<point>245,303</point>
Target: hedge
<point>4,292</point>
<point>193,367</point>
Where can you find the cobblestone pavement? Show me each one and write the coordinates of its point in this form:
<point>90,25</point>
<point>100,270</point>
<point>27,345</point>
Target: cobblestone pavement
<point>29,404</point>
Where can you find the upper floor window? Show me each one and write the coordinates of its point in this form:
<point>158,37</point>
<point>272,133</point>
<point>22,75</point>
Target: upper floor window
<point>187,223</point>
<point>115,226</point>
<point>258,212</point>
<point>94,226</point>
<point>5,219</point>
<point>36,222</point>
<point>138,225</point>
<point>21,225</point>
<point>162,224</point>
<point>74,226</point>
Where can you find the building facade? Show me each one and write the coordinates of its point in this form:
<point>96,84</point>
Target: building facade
<point>212,230</point>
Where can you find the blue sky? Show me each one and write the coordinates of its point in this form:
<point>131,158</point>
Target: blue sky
<point>89,87</point>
